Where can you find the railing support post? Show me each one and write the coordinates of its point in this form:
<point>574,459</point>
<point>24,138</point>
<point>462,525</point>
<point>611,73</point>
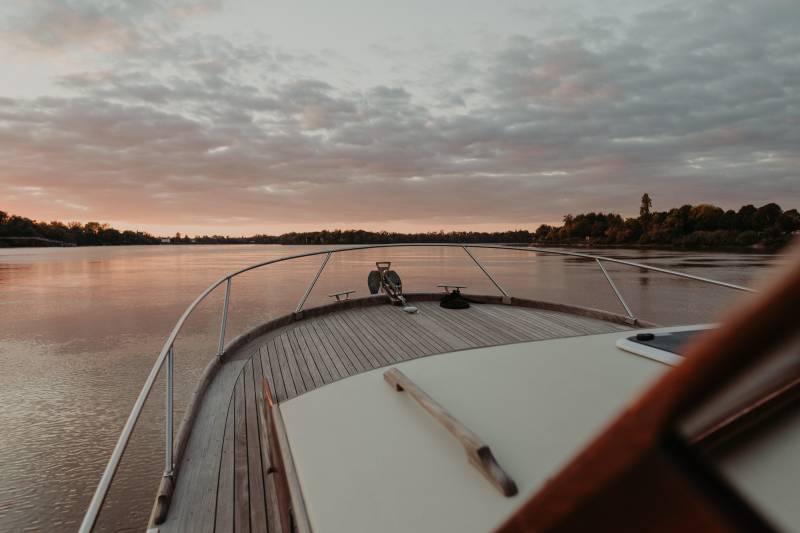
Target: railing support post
<point>168,463</point>
<point>299,309</point>
<point>616,291</point>
<point>224,323</point>
<point>506,297</point>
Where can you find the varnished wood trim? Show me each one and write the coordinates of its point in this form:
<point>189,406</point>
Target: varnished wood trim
<point>301,522</point>
<point>292,508</point>
<point>743,420</point>
<point>478,452</point>
<point>276,469</point>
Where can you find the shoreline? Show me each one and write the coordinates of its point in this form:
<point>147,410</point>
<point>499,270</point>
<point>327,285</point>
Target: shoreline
<point>754,249</point>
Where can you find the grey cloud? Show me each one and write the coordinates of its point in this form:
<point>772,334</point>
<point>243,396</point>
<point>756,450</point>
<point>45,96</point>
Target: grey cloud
<point>676,101</point>
<point>56,24</point>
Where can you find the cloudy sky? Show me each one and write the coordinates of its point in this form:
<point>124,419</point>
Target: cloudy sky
<point>237,116</point>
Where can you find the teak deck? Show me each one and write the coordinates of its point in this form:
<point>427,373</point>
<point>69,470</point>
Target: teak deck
<point>224,483</point>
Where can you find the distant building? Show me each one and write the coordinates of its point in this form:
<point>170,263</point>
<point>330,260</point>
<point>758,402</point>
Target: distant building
<point>165,240</point>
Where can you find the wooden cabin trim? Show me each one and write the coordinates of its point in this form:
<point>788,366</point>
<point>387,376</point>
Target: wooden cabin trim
<point>478,452</point>
<point>291,505</point>
<point>741,421</point>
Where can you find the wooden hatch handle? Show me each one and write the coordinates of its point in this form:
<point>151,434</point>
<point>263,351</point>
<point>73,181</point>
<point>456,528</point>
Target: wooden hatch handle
<point>478,452</point>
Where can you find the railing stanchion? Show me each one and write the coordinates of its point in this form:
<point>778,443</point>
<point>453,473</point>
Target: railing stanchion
<point>224,323</point>
<point>311,285</point>
<point>616,291</point>
<point>168,463</point>
<point>506,297</point>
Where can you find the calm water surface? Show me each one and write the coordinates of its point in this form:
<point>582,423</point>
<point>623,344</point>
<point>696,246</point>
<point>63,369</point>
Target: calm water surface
<point>80,328</point>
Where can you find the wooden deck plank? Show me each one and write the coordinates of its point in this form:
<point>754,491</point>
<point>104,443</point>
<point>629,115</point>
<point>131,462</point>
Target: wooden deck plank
<point>241,488</point>
<point>449,322</point>
<point>363,339</point>
<point>588,326</point>
<point>255,471</point>
<point>297,365</point>
<point>398,319</point>
<point>488,331</point>
<point>391,319</point>
<point>554,328</point>
<point>349,363</point>
<point>448,340</point>
<point>477,312</point>
<point>308,369</point>
<point>446,320</point>
<point>415,326</point>
<point>546,326</point>
<point>279,388</point>
<point>340,348</point>
<point>535,321</point>
<point>223,521</point>
<point>263,360</point>
<point>551,319</point>
<point>374,338</point>
<point>492,328</point>
<point>354,365</point>
<point>194,500</point>
<point>345,334</point>
<point>518,331</point>
<point>343,367</point>
<point>291,376</point>
<point>326,366</point>
<point>524,327</point>
<point>338,337</point>
<point>326,370</point>
<point>348,334</point>
<point>382,329</point>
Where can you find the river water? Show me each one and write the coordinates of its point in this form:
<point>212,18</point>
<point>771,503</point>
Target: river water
<point>80,328</point>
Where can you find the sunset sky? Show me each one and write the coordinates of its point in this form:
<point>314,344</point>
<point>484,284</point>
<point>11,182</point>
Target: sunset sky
<point>237,117</point>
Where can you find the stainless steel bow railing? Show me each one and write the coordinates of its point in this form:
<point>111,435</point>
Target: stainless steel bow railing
<point>167,352</point>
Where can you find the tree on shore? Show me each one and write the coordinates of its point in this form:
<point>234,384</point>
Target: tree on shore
<point>702,225</point>
<point>644,209</point>
<point>89,234</point>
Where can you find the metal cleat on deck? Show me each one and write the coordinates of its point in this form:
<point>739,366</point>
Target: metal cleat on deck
<point>341,296</point>
<point>453,298</point>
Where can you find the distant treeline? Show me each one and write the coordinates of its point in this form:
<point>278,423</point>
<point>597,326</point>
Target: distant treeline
<point>385,237</point>
<point>21,231</point>
<point>16,230</point>
<point>688,226</point>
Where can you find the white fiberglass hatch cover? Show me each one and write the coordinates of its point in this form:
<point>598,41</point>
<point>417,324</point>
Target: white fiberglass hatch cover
<point>370,458</point>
